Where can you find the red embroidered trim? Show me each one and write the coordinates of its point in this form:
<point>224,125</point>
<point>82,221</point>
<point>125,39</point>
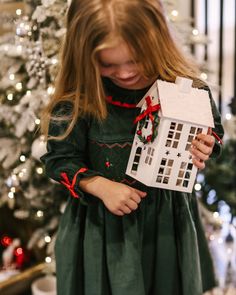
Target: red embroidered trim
<point>71,186</point>
<point>217,137</point>
<point>121,104</point>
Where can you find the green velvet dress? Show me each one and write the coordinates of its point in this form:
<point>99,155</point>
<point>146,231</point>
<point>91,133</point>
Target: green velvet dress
<point>159,249</point>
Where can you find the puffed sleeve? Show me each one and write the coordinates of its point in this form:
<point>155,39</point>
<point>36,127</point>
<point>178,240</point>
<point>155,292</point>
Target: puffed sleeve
<point>218,131</point>
<point>67,160</point>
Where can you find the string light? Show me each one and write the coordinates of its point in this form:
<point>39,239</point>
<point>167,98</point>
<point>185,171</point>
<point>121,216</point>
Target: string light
<point>18,12</point>
<point>11,195</point>
<point>48,259</point>
<point>50,90</point>
<point>39,213</point>
<point>220,241</point>
<point>13,189</point>
<point>19,48</point>
<point>12,77</point>
<point>39,170</point>
<point>195,32</point>
<point>212,237</point>
<point>37,121</point>
<point>174,13</point>
<point>28,92</point>
<point>19,86</point>
<point>204,76</point>
<point>21,174</point>
<point>216,214</point>
<point>10,96</point>
<point>197,187</point>
<point>54,61</point>
<point>47,239</point>
<point>22,158</point>
<point>228,116</point>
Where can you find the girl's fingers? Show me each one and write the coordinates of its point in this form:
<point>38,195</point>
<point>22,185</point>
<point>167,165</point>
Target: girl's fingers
<point>198,163</point>
<point>197,153</point>
<point>140,193</point>
<point>132,204</point>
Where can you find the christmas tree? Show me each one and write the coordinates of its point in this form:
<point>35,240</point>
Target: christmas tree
<point>29,63</point>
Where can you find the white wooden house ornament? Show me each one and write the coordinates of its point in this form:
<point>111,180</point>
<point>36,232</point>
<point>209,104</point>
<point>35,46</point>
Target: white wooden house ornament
<point>166,161</point>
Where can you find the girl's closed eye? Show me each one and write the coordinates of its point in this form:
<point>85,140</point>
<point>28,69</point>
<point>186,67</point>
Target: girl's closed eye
<point>105,65</point>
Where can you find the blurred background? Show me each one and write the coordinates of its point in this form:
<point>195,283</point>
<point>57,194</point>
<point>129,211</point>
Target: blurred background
<point>30,203</point>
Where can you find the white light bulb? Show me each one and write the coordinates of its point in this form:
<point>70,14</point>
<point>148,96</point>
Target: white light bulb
<point>10,96</point>
<point>12,77</point>
<point>18,11</point>
<point>48,259</point>
<point>197,187</point>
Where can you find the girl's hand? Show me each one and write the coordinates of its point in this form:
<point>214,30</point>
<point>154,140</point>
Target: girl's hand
<point>120,199</point>
<point>201,149</point>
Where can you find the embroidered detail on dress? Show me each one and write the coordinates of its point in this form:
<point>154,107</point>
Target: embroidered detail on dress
<point>71,185</point>
<point>217,138</point>
<point>129,182</point>
<point>111,146</point>
<point>121,104</point>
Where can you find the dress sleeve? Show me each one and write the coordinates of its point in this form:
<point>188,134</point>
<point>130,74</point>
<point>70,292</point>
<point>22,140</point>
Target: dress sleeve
<point>218,131</point>
<point>67,160</point>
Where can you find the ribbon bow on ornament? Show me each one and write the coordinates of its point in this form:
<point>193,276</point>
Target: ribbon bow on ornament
<point>151,113</point>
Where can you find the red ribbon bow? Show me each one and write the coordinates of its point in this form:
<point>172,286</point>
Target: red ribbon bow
<point>71,186</point>
<point>148,112</point>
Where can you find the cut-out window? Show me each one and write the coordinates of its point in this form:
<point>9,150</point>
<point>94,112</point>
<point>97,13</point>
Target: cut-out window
<point>168,143</point>
<point>136,160</point>
<point>183,165</point>
<point>168,171</point>
<point>150,161</point>
<point>190,138</point>
<point>179,127</point>
<point>170,134</point>
<point>175,144</point>
<point>187,175</point>
<point>170,163</point>
<point>172,125</point>
<point>161,170</point>
<point>199,130</point>
<point>159,179</point>
<point>134,167</point>
<point>166,180</point>
<point>146,123</point>
<point>190,166</point>
<point>192,130</point>
<point>163,162</point>
<point>177,135</point>
<point>185,183</point>
<point>181,173</point>
<point>179,182</point>
<point>146,160</point>
<point>188,146</point>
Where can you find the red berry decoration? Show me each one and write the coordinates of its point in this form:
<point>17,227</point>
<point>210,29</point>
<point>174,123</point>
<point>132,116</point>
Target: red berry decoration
<point>108,164</point>
<point>139,132</point>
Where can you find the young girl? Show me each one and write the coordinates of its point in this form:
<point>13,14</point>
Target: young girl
<point>118,236</point>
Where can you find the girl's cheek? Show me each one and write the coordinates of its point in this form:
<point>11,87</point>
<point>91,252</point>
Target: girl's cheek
<point>105,72</point>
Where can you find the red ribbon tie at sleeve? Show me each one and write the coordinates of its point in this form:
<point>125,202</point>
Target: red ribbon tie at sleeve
<point>71,185</point>
<point>217,137</point>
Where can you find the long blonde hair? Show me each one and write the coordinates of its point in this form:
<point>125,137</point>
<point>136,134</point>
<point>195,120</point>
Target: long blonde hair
<point>91,25</point>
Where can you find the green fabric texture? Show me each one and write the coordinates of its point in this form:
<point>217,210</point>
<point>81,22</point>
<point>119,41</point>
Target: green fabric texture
<point>159,249</point>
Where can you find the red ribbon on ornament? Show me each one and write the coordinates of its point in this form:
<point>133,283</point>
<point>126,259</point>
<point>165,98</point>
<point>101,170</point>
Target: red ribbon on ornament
<point>71,186</point>
<point>148,112</point>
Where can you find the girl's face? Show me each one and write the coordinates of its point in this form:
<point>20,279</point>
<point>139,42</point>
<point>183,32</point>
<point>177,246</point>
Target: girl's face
<point>116,63</point>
